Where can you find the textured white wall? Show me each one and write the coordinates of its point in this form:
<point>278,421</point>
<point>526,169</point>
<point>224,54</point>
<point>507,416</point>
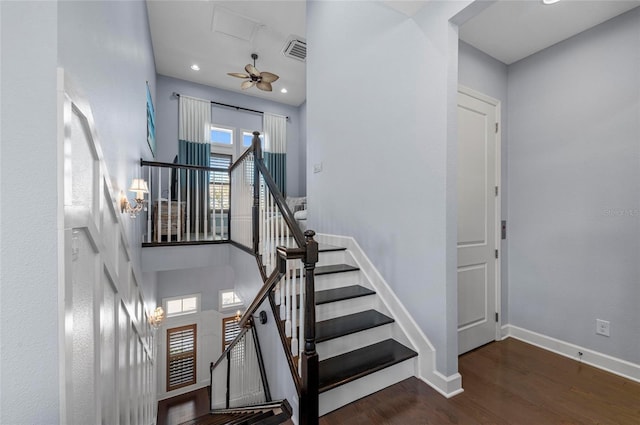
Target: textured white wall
<point>29,361</point>
<point>381,119</point>
<point>105,49</point>
<point>574,184</point>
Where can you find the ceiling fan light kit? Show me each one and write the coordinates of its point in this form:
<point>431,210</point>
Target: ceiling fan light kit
<point>261,80</point>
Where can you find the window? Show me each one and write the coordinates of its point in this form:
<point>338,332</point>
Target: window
<point>229,299</point>
<point>221,136</point>
<point>181,356</point>
<point>230,330</point>
<point>219,182</point>
<point>178,306</point>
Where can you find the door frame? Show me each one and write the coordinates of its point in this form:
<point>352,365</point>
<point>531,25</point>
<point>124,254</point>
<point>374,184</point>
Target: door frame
<point>497,199</point>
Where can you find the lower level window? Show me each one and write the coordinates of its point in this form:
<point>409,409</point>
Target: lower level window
<point>181,356</point>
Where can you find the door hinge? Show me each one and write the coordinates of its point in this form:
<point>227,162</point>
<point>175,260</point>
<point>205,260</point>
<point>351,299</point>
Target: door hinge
<point>496,253</point>
<point>496,316</point>
<point>496,190</point>
<point>497,127</point>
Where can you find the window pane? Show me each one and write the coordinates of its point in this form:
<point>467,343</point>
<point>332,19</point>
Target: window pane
<point>174,307</point>
<point>189,304</point>
<point>228,298</point>
<point>222,136</point>
<point>247,138</point>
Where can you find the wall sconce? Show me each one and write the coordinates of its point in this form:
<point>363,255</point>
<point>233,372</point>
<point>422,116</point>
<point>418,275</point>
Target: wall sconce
<point>139,186</point>
<point>156,318</point>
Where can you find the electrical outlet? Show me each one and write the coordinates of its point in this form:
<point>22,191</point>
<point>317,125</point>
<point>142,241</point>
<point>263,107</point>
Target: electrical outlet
<point>602,327</point>
<point>317,167</point>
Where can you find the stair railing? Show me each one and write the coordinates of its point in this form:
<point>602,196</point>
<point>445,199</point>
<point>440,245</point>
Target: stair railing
<point>263,225</point>
<point>242,368</point>
<point>187,203</point>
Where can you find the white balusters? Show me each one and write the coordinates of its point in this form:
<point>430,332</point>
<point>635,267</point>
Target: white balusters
<point>294,321</point>
<point>301,311</point>
<point>149,210</point>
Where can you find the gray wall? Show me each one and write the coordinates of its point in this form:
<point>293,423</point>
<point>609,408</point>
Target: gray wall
<point>387,141</point>
<point>105,48</point>
<point>574,180</point>
<point>481,72</point>
<point>167,122</point>
<point>29,362</point>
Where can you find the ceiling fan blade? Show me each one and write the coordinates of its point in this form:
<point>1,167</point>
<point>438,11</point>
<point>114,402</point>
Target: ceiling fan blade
<point>262,85</point>
<point>268,77</point>
<point>248,84</point>
<point>238,75</point>
<point>252,70</point>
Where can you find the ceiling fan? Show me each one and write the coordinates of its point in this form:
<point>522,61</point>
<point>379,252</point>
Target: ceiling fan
<point>262,80</point>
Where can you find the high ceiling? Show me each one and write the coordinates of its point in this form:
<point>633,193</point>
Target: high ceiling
<point>220,36</point>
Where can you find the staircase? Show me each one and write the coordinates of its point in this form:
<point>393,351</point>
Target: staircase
<point>361,348</point>
<point>265,414</point>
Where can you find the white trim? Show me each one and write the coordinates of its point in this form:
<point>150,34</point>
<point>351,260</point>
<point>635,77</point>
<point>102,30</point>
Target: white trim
<point>593,358</point>
<point>228,307</point>
<point>426,370</point>
<point>498,199</point>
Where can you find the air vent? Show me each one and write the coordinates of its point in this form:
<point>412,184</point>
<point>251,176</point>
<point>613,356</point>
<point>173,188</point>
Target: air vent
<point>296,48</point>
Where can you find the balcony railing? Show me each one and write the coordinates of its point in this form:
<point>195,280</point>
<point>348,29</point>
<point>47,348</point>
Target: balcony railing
<point>188,204</point>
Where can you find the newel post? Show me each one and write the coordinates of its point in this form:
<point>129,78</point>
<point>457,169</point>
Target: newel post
<point>255,211</point>
<point>310,380</point>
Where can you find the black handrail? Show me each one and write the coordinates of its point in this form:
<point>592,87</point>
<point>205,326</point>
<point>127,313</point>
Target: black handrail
<point>182,166</point>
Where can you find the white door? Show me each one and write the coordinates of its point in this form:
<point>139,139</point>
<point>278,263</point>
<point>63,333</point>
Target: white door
<point>478,142</point>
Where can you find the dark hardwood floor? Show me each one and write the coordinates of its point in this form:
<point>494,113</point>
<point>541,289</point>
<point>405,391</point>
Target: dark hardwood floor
<point>179,409</point>
<point>506,383</point>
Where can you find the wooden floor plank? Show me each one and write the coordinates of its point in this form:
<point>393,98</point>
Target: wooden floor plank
<point>507,382</point>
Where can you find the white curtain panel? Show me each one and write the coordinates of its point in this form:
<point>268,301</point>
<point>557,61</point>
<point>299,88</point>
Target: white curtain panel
<point>275,133</point>
<point>195,119</point>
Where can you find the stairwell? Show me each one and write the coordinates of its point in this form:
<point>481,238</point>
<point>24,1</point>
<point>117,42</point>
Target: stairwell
<point>360,346</point>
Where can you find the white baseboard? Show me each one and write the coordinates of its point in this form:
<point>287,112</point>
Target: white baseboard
<point>602,361</point>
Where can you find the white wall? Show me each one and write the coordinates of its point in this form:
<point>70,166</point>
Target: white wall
<point>481,72</point>
<point>167,122</point>
<point>574,180</point>
<point>105,49</point>
<point>29,362</point>
<point>381,119</point>
<point>208,349</point>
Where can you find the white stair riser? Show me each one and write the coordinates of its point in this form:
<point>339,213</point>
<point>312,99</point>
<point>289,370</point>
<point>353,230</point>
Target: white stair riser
<point>344,307</point>
<point>338,280</point>
<point>334,257</point>
<point>355,390</point>
<point>344,344</point>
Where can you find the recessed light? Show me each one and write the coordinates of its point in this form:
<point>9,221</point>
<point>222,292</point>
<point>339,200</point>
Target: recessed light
<point>283,90</point>
<point>550,1</point>
<point>195,67</point>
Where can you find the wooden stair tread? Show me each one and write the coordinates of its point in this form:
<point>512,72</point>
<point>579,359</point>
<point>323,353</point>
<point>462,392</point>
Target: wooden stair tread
<point>229,418</point>
<point>335,268</point>
<point>339,370</point>
<point>343,293</point>
<point>322,247</point>
<point>351,323</point>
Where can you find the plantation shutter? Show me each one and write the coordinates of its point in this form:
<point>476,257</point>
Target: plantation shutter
<point>181,356</point>
<point>219,181</point>
<point>230,330</point>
